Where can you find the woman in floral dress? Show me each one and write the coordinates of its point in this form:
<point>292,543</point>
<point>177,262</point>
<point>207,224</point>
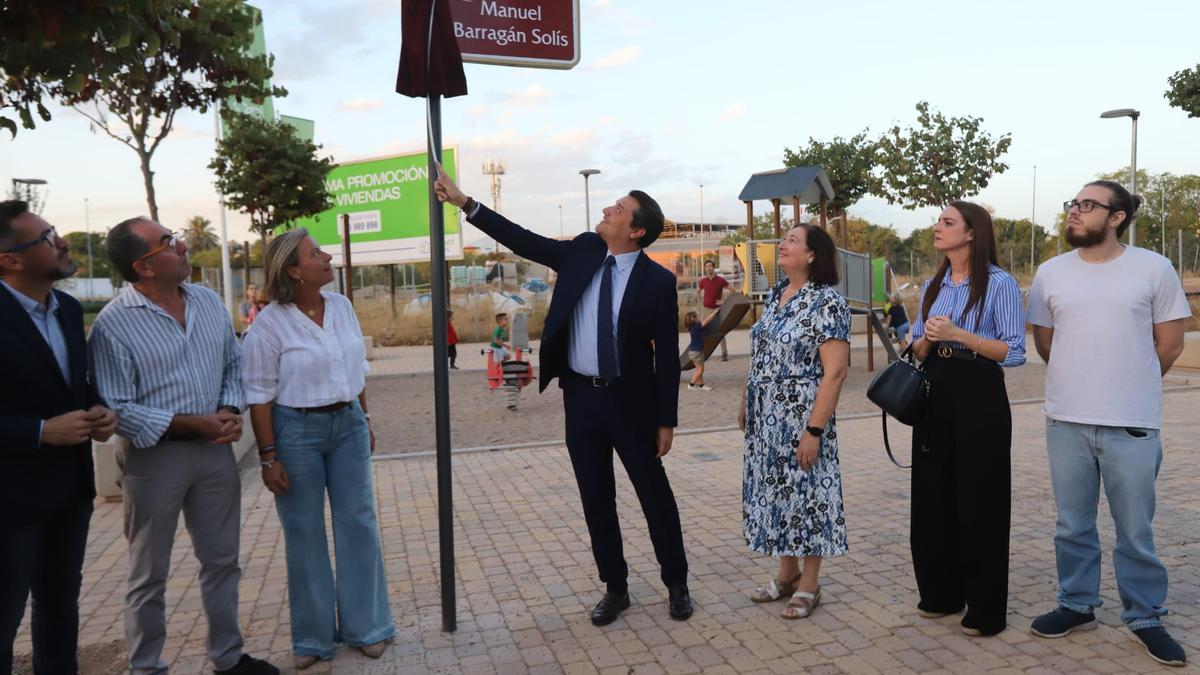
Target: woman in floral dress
<point>792,486</point>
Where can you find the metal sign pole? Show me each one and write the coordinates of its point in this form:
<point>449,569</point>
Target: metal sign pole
<point>439,294</point>
<point>347,269</point>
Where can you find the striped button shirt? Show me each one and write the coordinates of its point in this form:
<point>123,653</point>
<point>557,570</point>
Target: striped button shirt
<point>149,368</point>
<point>1003,317</point>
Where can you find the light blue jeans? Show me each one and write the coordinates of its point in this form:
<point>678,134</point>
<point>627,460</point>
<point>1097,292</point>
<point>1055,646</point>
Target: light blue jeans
<point>331,452</point>
<point>1126,460</point>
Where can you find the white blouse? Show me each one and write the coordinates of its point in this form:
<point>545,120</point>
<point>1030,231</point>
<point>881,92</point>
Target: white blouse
<point>288,359</point>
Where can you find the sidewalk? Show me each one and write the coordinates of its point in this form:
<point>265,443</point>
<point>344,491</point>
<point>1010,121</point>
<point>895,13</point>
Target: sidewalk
<point>526,578</point>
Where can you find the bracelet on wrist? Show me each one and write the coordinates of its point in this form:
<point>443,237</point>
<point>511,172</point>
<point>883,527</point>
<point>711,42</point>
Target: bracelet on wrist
<point>267,463</point>
<point>265,449</point>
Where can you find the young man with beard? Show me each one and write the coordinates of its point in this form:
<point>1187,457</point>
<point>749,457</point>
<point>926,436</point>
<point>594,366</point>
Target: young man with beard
<point>611,337</point>
<point>1108,320</point>
<point>49,414</point>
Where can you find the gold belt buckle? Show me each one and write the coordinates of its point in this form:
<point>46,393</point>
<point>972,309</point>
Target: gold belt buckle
<point>945,351</point>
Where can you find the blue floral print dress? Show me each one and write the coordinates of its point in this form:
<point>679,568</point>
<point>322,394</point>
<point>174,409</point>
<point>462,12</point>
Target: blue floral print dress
<point>785,510</point>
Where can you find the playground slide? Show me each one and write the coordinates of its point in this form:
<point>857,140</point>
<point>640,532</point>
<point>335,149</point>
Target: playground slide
<point>728,317</point>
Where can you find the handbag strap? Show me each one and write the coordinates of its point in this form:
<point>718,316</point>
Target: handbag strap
<point>888,446</point>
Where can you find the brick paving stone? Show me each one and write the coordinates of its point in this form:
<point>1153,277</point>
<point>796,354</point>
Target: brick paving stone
<point>526,578</point>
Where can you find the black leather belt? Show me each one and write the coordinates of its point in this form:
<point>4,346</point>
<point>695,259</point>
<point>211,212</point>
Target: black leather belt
<point>948,352</point>
<point>332,407</point>
<point>597,382</point>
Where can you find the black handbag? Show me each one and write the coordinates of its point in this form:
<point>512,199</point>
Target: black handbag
<point>902,391</point>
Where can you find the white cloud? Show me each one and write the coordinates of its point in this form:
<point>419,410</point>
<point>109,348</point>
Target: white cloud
<point>477,110</point>
<point>361,105</point>
<point>575,139</point>
<point>527,97</point>
<point>734,111</point>
<point>618,59</point>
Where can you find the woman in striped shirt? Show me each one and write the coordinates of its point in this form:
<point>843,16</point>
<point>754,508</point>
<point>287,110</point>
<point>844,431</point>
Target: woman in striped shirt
<point>304,375</point>
<point>970,323</point>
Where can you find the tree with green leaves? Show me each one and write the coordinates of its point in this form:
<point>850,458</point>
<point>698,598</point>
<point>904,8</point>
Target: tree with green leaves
<point>50,48</point>
<point>101,266</point>
<point>199,235</point>
<point>176,55</point>
<point>848,163</point>
<point>938,160</point>
<point>269,173</point>
<point>1184,91</point>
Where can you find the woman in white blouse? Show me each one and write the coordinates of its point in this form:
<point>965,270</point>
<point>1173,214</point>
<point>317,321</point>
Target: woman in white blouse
<point>303,371</point>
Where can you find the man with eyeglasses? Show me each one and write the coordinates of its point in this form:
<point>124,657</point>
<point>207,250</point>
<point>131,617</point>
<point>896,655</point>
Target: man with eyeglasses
<point>1108,321</point>
<point>49,413</point>
<point>168,362</point>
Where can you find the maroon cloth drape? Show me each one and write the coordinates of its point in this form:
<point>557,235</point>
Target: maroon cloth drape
<point>444,76</point>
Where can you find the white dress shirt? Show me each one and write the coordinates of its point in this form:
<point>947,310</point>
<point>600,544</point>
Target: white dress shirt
<point>582,356</point>
<point>288,359</point>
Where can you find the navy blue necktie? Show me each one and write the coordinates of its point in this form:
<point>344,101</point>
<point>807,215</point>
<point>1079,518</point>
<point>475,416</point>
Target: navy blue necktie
<point>605,349</point>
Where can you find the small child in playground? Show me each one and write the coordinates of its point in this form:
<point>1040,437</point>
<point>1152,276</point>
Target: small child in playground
<point>451,339</point>
<point>695,350</point>
<point>897,318</point>
<point>500,344</point>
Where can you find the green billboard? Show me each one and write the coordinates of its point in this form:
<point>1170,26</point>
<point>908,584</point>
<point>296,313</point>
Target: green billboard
<point>387,199</point>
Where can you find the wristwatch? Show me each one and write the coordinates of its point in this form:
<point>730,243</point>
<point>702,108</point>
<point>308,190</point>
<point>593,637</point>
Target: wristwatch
<point>815,431</point>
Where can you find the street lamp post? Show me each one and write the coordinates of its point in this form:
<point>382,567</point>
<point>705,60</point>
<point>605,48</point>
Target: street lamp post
<point>587,201</point>
<point>560,227</point>
<point>87,225</point>
<point>1033,220</point>
<point>702,226</point>
<point>1133,115</point>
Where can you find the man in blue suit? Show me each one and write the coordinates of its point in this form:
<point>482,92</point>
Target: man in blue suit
<point>49,413</point>
<point>611,338</point>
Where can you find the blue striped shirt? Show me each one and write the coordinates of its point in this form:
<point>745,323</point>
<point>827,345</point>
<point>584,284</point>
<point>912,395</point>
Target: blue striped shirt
<point>1003,317</point>
<point>149,368</point>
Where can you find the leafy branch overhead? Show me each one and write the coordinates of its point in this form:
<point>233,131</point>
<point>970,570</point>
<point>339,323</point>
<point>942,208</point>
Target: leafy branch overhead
<point>938,160</point>
<point>1185,91</point>
<point>847,163</point>
<point>269,173</point>
<point>129,66</point>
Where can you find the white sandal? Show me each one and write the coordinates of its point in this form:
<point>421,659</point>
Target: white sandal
<point>802,604</point>
<point>774,590</point>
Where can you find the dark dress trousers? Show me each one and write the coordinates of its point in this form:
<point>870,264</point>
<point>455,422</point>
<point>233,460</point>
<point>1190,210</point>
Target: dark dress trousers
<point>626,414</point>
<point>46,501</point>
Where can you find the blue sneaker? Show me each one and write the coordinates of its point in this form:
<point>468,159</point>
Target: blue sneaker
<point>1061,622</point>
<point>1161,646</point>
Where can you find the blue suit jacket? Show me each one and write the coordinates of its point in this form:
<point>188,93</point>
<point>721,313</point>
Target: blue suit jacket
<point>647,326</point>
<point>41,476</point>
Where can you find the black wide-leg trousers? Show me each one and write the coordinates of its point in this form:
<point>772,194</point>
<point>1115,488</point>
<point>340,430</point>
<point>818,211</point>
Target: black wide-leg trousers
<point>961,493</point>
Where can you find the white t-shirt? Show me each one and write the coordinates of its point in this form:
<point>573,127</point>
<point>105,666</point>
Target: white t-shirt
<point>1103,368</point>
<point>290,360</point>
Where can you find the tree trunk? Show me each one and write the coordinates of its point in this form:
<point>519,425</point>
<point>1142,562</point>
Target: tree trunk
<point>148,179</point>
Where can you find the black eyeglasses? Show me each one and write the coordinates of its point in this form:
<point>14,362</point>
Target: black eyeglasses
<point>1085,205</point>
<point>48,236</point>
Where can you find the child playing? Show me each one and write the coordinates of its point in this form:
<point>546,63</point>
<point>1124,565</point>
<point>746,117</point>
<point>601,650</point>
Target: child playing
<point>695,349</point>
<point>499,344</point>
<point>451,340</point>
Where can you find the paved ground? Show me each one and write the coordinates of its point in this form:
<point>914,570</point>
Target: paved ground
<point>480,418</point>
<point>526,580</point>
